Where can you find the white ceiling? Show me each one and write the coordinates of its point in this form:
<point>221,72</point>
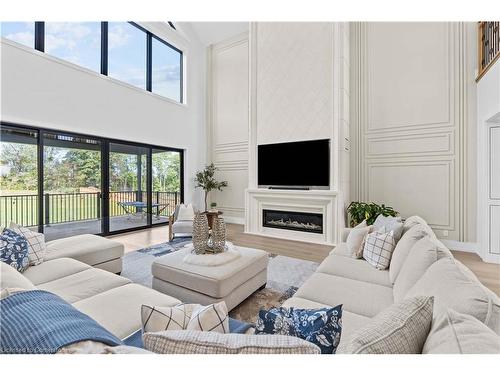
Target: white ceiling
<point>214,32</point>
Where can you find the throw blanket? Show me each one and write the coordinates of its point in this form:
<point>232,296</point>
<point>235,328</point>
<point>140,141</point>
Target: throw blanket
<point>37,321</point>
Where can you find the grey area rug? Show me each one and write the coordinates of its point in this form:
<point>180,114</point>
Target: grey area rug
<point>284,276</point>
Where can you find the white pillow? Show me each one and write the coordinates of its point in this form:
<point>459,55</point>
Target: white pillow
<point>390,223</point>
<point>356,239</point>
<point>191,317</point>
<point>186,212</point>
<point>378,249</point>
<point>211,318</point>
<point>159,318</point>
<point>36,243</point>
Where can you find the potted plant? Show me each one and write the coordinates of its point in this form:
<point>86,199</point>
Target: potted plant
<point>206,180</point>
<point>359,211</point>
<point>213,206</point>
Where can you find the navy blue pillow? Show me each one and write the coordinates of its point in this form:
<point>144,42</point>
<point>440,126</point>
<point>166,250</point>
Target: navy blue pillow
<point>318,326</point>
<point>14,250</point>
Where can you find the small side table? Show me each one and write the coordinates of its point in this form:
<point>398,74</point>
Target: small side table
<point>211,216</point>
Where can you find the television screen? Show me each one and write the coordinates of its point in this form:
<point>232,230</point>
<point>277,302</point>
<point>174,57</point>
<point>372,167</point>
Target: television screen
<point>294,164</point>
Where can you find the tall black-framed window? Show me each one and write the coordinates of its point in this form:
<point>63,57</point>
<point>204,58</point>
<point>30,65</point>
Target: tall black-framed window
<point>63,183</point>
<point>122,50</point>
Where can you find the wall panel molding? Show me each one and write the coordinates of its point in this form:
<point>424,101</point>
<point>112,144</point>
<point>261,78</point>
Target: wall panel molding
<point>227,117</point>
<point>409,106</point>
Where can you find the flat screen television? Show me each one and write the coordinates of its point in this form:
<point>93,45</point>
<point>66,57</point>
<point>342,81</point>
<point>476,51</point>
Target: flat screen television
<point>303,164</point>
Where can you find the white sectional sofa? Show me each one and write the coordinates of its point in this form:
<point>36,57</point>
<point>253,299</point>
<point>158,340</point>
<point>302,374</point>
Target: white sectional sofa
<point>112,300</point>
<point>93,250</point>
<point>365,291</point>
<point>115,302</point>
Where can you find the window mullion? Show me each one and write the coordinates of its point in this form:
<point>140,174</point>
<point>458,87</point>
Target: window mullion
<point>40,36</point>
<point>104,48</point>
<point>149,62</point>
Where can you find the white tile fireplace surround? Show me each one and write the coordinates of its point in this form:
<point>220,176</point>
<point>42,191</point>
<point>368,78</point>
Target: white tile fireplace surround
<point>322,202</point>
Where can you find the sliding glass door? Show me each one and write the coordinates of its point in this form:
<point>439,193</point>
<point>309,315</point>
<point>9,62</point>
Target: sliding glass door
<point>71,185</point>
<point>167,171</point>
<point>19,199</point>
<point>64,184</point>
<point>128,187</point>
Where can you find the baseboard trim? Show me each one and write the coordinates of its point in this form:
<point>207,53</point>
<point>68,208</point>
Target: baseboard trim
<point>468,247</point>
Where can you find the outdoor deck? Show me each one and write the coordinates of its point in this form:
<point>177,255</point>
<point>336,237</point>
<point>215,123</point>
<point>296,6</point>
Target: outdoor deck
<point>61,230</point>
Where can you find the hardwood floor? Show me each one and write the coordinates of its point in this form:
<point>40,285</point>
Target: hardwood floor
<point>488,274</point>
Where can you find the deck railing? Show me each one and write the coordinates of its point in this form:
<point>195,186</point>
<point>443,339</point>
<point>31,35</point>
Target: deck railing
<point>488,45</point>
<point>69,207</point>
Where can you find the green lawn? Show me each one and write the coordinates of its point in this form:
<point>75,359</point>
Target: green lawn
<point>23,209</point>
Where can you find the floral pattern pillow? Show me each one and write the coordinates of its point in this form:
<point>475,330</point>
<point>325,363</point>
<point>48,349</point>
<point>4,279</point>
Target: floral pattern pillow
<point>14,250</point>
<point>318,326</point>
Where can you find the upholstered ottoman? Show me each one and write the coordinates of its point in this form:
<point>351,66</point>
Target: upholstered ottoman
<point>231,282</point>
<point>96,251</point>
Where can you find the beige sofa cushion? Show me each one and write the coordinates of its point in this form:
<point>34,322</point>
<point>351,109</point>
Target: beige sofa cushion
<point>412,221</point>
<point>403,248</point>
<point>425,252</point>
<point>455,333</point>
<point>218,281</point>
<point>341,250</point>
<point>54,269</point>
<point>12,278</point>
<point>399,329</point>
<point>119,309</point>
<point>356,269</point>
<point>454,286</point>
<point>84,284</point>
<point>87,248</point>
<point>199,342</point>
<point>356,296</point>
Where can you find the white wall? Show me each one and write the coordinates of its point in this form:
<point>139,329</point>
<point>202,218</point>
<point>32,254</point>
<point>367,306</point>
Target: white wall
<point>299,90</point>
<point>44,91</point>
<point>412,125</point>
<point>488,171</point>
<point>228,123</point>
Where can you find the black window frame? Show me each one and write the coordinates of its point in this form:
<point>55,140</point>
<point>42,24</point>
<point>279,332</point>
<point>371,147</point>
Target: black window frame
<point>104,148</point>
<point>104,58</point>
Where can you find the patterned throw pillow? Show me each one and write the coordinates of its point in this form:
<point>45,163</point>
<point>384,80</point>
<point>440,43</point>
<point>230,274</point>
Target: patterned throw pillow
<point>36,243</point>
<point>197,342</point>
<point>14,250</point>
<point>378,249</point>
<point>193,317</point>
<point>318,326</point>
<point>212,318</point>
<point>399,329</point>
<point>158,318</point>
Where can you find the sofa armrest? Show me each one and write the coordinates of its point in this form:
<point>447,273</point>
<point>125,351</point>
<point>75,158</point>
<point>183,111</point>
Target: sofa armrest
<point>344,233</point>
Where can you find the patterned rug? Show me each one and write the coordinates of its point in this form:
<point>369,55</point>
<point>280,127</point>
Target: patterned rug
<point>284,276</point>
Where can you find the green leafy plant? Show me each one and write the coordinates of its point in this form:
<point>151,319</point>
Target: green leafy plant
<point>359,211</point>
<point>213,205</point>
<point>206,180</point>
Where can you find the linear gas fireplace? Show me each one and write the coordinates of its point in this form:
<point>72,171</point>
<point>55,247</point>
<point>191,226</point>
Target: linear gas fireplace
<point>299,221</point>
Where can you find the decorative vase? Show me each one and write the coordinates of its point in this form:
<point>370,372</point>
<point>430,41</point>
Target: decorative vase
<point>200,233</point>
<point>218,235</point>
